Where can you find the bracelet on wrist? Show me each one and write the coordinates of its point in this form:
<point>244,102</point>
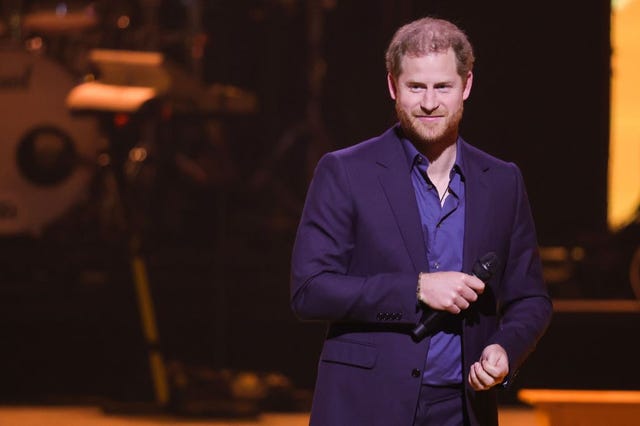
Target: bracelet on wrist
<point>418,290</point>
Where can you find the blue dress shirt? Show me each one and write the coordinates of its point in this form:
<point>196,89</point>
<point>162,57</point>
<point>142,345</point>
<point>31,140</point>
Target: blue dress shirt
<point>443,232</point>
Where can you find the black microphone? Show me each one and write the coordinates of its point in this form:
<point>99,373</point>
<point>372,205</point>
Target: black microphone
<point>484,268</point>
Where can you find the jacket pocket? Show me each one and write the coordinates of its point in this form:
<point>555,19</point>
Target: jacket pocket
<point>349,352</point>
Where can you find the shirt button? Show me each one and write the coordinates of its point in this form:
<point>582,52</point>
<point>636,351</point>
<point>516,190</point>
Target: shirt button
<point>436,265</point>
<point>415,372</point>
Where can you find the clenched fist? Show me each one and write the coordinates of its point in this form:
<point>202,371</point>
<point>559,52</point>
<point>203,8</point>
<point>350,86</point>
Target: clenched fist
<point>490,369</point>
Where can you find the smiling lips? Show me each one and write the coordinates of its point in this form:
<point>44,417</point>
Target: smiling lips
<point>427,114</point>
<point>429,118</point>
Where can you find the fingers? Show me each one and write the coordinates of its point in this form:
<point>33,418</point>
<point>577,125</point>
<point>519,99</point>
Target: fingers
<point>479,378</point>
<point>495,371</point>
<point>483,376</point>
<point>490,370</point>
<point>449,291</point>
<point>467,293</point>
<point>474,283</point>
<point>494,360</point>
<point>464,293</point>
<point>455,304</point>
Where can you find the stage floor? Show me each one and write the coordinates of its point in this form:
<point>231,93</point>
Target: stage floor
<point>94,416</point>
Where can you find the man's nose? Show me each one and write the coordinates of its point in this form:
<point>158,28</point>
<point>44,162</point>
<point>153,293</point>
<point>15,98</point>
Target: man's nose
<point>429,101</point>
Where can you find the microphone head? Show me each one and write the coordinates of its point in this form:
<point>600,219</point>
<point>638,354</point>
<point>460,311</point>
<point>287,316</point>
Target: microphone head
<point>486,266</point>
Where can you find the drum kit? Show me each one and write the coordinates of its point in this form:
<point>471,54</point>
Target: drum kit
<point>80,116</point>
<point>46,151</point>
<point>58,82</point>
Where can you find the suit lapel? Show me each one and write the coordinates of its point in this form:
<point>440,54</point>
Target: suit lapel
<point>477,209</point>
<point>395,179</point>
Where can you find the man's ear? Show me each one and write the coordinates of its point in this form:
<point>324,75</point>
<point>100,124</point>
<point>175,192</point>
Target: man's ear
<point>467,86</point>
<point>391,83</point>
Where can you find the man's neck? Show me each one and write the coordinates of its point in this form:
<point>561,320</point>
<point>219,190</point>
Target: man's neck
<point>442,157</point>
<point>440,163</point>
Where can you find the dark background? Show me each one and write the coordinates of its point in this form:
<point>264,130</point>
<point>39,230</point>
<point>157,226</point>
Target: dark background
<point>218,253</point>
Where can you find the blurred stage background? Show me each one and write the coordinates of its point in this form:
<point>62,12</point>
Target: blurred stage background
<point>155,156</point>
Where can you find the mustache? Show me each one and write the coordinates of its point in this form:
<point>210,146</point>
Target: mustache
<point>438,112</point>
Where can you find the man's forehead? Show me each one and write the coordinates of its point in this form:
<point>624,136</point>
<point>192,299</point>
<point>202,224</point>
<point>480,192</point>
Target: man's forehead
<point>432,60</point>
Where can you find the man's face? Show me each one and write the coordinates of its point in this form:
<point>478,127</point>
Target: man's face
<point>429,97</point>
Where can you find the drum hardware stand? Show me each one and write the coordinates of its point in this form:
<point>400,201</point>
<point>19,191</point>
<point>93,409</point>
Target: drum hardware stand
<point>115,168</point>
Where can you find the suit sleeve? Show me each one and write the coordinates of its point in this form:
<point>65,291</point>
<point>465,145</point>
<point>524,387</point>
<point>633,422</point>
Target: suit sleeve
<point>525,306</point>
<point>323,286</point>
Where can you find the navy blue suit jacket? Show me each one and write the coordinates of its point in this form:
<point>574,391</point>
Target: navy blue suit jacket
<point>355,264</point>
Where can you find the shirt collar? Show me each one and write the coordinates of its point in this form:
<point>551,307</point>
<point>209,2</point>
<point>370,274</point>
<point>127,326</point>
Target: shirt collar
<point>414,157</point>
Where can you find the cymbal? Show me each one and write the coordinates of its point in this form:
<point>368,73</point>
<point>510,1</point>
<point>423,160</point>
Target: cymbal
<point>97,96</point>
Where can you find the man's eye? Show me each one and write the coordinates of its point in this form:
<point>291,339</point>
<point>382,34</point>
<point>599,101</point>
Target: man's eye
<point>415,88</point>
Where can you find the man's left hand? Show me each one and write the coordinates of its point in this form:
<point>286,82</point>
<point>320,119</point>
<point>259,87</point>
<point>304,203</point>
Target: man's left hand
<point>491,369</point>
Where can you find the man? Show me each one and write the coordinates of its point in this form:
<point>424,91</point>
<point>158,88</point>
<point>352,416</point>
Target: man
<point>389,234</point>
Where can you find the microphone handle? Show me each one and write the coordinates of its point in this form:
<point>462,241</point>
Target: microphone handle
<point>423,327</point>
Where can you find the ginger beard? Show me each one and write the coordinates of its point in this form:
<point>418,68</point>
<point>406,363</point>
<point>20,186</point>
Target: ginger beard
<point>444,130</point>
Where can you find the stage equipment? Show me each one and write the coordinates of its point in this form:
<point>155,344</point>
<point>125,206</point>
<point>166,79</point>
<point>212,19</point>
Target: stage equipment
<point>204,392</point>
<point>46,154</point>
<point>127,79</point>
<point>60,21</point>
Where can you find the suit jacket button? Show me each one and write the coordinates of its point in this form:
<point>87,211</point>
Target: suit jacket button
<point>415,372</point>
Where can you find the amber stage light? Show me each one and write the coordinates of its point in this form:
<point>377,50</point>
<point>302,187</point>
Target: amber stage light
<point>624,147</point>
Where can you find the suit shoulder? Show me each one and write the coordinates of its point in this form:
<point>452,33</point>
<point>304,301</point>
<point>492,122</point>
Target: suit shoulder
<point>367,148</point>
<point>485,159</point>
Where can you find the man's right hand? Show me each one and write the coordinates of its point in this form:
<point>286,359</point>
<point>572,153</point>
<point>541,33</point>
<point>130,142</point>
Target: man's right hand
<point>449,291</point>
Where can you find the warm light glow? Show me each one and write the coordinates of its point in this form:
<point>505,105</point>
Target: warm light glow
<point>138,154</point>
<point>123,22</point>
<point>97,96</point>
<point>624,148</point>
<point>576,396</point>
<point>34,44</point>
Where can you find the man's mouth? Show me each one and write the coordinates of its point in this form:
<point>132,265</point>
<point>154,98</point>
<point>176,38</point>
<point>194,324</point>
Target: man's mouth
<point>429,117</point>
